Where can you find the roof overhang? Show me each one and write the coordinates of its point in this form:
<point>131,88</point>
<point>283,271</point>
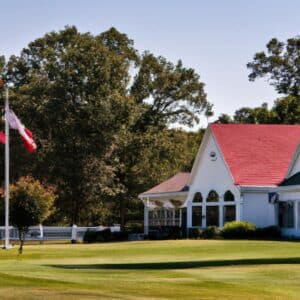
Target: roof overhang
<point>165,196</point>
<point>257,188</point>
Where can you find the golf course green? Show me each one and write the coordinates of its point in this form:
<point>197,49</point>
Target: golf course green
<point>184,269</point>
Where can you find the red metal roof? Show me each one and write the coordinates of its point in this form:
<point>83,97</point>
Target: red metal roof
<point>177,183</point>
<point>257,154</point>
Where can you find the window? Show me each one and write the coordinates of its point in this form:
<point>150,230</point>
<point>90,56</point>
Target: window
<point>286,214</point>
<point>228,196</point>
<point>212,196</point>
<point>197,197</point>
<point>196,216</point>
<point>229,213</point>
<point>212,216</point>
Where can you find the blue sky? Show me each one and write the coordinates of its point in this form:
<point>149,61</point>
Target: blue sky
<point>217,38</point>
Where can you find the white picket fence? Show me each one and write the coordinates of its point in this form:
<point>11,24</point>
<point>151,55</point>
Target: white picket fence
<point>54,233</point>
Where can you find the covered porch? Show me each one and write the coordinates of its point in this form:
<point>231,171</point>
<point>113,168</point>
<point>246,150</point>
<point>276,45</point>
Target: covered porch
<point>162,211</point>
<point>164,204</point>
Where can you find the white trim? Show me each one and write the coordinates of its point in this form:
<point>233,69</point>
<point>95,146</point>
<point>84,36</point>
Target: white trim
<point>200,151</point>
<point>158,195</point>
<point>293,161</point>
<point>255,189</point>
<point>209,132</point>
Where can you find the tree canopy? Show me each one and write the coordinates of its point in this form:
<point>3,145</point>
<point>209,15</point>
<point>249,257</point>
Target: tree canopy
<point>280,64</point>
<point>100,112</point>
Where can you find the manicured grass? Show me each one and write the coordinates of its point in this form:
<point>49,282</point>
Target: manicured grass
<point>187,269</point>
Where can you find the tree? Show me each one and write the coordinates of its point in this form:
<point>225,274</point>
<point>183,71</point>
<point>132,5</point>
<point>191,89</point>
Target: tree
<point>30,204</point>
<point>281,64</point>
<point>96,125</point>
<point>224,119</point>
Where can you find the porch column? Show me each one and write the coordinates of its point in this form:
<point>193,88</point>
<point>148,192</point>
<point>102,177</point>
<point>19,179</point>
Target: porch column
<point>173,217</point>
<point>296,214</point>
<point>221,214</point>
<point>146,218</point>
<point>166,216</point>
<point>180,217</point>
<point>204,214</point>
<point>188,216</point>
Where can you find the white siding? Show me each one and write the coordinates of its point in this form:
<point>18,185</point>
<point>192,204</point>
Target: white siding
<point>212,175</point>
<point>257,210</point>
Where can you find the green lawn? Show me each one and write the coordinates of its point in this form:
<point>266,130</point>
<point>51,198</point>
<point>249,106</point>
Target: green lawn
<point>153,270</point>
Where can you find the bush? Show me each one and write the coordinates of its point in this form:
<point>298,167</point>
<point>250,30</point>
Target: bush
<point>211,232</point>
<point>270,232</point>
<point>195,233</point>
<point>167,233</point>
<point>134,228</point>
<point>238,230</point>
<point>98,236</point>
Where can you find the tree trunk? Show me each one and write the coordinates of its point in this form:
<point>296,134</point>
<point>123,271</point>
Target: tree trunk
<point>122,212</point>
<point>22,240</point>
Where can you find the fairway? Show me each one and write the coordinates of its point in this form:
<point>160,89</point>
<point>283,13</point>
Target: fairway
<point>187,269</point>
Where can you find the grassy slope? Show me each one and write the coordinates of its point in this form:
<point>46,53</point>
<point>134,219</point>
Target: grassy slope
<point>153,270</point>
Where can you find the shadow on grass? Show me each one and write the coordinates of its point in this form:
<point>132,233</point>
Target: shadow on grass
<point>182,264</point>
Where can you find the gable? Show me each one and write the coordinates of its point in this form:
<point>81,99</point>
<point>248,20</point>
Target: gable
<point>257,155</point>
<point>210,171</point>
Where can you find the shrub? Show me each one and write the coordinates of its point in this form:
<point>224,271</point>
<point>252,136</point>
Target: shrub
<point>238,230</point>
<point>211,232</point>
<point>195,233</point>
<point>97,236</point>
<point>270,232</point>
<point>134,227</point>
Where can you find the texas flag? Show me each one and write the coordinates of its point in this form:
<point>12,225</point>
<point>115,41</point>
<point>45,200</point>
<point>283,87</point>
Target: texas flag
<point>2,137</point>
<point>26,134</point>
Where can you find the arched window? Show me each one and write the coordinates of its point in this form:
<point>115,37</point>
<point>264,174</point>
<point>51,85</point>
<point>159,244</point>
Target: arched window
<point>198,197</point>
<point>212,196</point>
<point>228,196</point>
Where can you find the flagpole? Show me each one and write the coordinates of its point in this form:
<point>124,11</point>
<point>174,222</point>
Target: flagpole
<point>7,244</point>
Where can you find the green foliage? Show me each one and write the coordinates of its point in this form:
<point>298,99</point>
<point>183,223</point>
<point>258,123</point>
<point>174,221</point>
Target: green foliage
<point>132,227</point>
<point>104,236</point>
<point>102,133</point>
<point>195,233</point>
<point>238,230</point>
<point>211,232</point>
<point>281,64</point>
<point>30,204</point>
<point>270,232</point>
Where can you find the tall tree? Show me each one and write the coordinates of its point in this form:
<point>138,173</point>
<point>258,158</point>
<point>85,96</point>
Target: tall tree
<point>101,132</point>
<point>281,64</point>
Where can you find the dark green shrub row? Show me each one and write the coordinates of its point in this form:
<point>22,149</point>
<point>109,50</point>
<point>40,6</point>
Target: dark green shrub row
<point>211,232</point>
<point>236,230</point>
<point>246,230</point>
<point>167,233</point>
<point>104,236</point>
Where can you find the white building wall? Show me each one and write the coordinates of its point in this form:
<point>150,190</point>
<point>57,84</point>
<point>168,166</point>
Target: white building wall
<point>258,210</point>
<point>211,175</point>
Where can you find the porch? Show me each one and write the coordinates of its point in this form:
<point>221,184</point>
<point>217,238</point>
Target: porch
<point>163,211</point>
